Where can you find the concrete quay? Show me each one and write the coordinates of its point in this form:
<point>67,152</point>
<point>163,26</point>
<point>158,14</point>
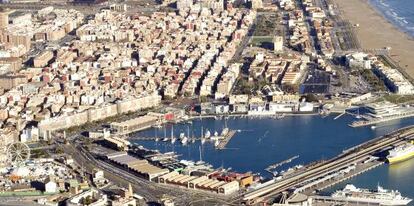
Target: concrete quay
<point>360,157</point>
<point>364,123</point>
<point>226,138</point>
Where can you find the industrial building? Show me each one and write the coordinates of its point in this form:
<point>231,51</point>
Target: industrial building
<point>139,166</point>
<point>199,182</point>
<point>115,142</point>
<point>134,125</point>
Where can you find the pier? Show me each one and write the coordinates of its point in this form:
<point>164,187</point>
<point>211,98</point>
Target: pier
<point>226,138</point>
<point>364,123</point>
<point>323,174</point>
<point>222,140</point>
<point>274,166</point>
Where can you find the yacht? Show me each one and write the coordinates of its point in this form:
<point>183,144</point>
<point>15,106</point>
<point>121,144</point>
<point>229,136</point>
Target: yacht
<point>225,131</point>
<point>184,140</point>
<point>207,134</point>
<point>216,134</point>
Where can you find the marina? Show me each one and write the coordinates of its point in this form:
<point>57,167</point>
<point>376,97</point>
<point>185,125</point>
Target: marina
<point>276,144</point>
<point>382,112</point>
<point>374,121</point>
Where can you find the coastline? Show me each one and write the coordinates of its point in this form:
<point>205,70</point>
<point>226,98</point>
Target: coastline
<point>375,31</point>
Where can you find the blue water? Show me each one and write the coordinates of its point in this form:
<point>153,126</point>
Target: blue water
<point>266,141</point>
<point>398,12</point>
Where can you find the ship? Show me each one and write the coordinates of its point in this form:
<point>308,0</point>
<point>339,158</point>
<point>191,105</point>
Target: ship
<point>401,153</point>
<point>380,196</point>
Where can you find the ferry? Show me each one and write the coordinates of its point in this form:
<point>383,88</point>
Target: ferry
<point>380,196</point>
<point>401,153</point>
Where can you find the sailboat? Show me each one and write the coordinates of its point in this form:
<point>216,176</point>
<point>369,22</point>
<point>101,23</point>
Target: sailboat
<point>192,137</point>
<point>165,136</point>
<point>156,136</point>
<point>172,135</point>
<point>199,162</point>
<point>184,140</point>
<point>358,116</point>
<point>216,134</point>
<point>225,130</point>
<point>208,134</point>
<point>202,136</point>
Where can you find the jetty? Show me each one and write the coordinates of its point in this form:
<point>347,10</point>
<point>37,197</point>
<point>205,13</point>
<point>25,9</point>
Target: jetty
<point>226,138</point>
<point>373,121</point>
<point>319,175</point>
<point>274,166</point>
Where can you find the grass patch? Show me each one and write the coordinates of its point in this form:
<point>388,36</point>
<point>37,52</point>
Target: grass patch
<point>376,83</point>
<point>266,25</point>
<point>39,153</point>
<point>398,99</point>
<point>258,40</point>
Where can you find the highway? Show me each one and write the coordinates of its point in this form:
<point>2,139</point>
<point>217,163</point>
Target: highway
<point>356,155</point>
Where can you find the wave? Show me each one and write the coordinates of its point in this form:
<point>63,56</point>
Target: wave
<point>395,14</point>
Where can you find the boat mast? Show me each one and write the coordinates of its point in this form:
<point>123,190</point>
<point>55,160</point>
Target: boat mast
<point>199,150</point>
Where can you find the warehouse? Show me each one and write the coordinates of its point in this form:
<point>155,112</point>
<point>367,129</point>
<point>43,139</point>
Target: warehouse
<point>135,124</point>
<point>140,166</point>
<point>229,188</point>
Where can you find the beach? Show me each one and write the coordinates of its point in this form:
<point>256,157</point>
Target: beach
<point>376,32</point>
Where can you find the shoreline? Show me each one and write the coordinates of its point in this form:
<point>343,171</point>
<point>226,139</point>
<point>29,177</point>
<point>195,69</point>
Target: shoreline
<point>376,31</point>
<point>390,20</point>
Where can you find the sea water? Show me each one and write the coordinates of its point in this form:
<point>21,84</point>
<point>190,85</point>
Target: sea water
<point>398,12</point>
<point>265,141</point>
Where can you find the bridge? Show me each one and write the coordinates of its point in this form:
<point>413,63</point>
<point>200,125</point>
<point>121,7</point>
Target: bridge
<point>357,155</point>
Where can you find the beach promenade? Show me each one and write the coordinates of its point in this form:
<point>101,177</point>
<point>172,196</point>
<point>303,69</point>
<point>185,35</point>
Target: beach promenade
<point>376,32</point>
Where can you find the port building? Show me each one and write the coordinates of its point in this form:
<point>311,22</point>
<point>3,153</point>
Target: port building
<point>199,182</point>
<point>140,166</point>
<point>135,124</point>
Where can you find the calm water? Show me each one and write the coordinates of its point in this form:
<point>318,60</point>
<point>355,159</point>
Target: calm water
<point>399,12</point>
<point>262,142</point>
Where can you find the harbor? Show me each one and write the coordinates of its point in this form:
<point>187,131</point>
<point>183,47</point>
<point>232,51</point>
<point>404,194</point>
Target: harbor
<point>272,137</point>
<point>381,113</point>
<point>374,121</point>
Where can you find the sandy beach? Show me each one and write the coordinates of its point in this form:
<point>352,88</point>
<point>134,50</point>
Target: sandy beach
<point>376,32</point>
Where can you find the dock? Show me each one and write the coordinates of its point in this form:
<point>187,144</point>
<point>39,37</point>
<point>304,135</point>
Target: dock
<point>363,123</point>
<point>318,175</point>
<point>274,166</point>
<point>226,138</point>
